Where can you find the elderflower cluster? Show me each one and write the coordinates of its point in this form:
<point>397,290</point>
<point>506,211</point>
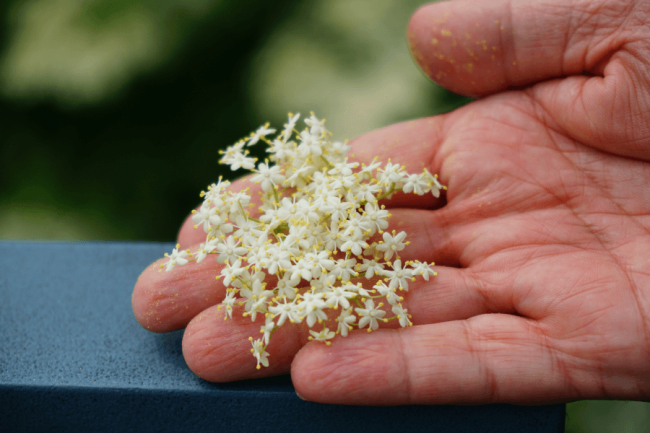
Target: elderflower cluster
<point>319,242</point>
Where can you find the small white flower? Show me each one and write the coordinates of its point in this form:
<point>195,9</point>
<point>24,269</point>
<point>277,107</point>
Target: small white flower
<point>205,249</point>
<point>339,148</point>
<point>343,168</point>
<point>268,176</point>
<point>344,269</point>
<point>433,184</point>
<point>317,127</point>
<point>267,329</point>
<point>391,244</point>
<point>398,277</point>
<point>377,217</point>
<point>366,191</point>
<point>261,132</point>
<point>336,208</point>
<point>369,315</point>
<point>207,216</point>
<point>259,353</point>
<point>366,170</point>
<point>302,269</point>
<point>424,269</point>
<point>370,267</point>
<point>356,225</point>
<point>345,320</point>
<point>391,174</point>
<point>176,258</point>
<point>295,178</point>
<point>240,160</point>
<point>229,301</point>
<point>339,295</point>
<point>312,308</point>
<point>388,292</point>
<point>230,272</point>
<point>255,294</point>
<point>246,229</point>
<point>237,202</point>
<point>309,144</point>
<point>321,262</point>
<point>285,286</point>
<point>402,315</point>
<point>323,335</point>
<point>355,244</point>
<point>285,311</point>
<point>415,183</point>
<point>229,250</point>
<point>289,126</point>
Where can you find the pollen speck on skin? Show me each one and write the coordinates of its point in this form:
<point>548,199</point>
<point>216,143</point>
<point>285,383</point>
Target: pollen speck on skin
<point>514,63</point>
<point>434,41</point>
<point>469,67</point>
<point>445,32</point>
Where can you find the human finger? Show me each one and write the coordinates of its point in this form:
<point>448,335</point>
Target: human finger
<point>495,358</point>
<point>483,48</point>
<point>218,350</point>
<point>166,301</point>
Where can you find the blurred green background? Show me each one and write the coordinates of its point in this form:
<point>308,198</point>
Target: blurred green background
<point>112,111</point>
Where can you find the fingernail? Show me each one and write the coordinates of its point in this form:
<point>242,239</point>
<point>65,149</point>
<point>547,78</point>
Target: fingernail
<point>300,396</point>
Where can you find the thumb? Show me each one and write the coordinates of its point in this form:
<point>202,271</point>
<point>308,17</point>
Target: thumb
<point>589,57</point>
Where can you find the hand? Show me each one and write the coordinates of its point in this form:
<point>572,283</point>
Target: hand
<point>542,246</point>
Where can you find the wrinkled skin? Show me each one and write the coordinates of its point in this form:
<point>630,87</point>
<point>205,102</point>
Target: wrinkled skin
<point>542,246</point>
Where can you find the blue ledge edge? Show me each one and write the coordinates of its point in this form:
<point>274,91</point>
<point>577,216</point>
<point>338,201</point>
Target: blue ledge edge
<point>73,358</point>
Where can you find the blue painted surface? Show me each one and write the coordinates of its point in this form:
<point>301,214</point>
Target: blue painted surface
<point>73,358</point>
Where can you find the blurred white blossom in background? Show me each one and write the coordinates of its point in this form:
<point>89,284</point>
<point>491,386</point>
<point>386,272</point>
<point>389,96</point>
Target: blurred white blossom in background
<point>87,51</point>
<point>364,84</point>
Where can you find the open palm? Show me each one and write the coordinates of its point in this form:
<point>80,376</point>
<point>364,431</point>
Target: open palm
<point>542,246</point>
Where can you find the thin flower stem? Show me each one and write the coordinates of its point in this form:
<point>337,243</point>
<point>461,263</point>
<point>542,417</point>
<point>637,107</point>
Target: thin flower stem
<point>329,164</point>
<point>242,281</point>
<point>275,194</point>
<point>391,191</point>
<point>247,215</point>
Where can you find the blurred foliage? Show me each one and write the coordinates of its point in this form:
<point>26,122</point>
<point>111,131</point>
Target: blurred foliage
<point>608,417</point>
<point>117,125</point>
<point>112,111</point>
